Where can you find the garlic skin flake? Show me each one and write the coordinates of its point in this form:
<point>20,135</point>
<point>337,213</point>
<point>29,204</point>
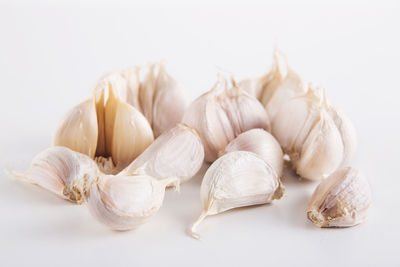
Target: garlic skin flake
<point>237,179</point>
<point>126,202</point>
<point>341,200</point>
<point>318,138</point>
<point>62,171</point>
<point>222,114</point>
<point>261,143</point>
<point>178,152</point>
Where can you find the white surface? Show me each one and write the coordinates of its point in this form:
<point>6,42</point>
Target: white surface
<point>50,56</point>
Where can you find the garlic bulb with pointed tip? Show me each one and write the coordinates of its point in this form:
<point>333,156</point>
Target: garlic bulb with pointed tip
<point>341,200</point>
<point>178,152</point>
<point>105,128</point>
<point>237,179</point>
<point>62,171</point>
<point>126,202</point>
<point>318,138</point>
<point>222,114</point>
<point>261,143</point>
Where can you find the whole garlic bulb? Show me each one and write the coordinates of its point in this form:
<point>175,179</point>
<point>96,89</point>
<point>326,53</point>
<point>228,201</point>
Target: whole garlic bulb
<point>126,202</point>
<point>106,128</point>
<point>318,138</point>
<point>237,179</point>
<point>261,143</point>
<point>341,200</point>
<point>222,114</point>
<point>62,171</point>
<point>177,152</point>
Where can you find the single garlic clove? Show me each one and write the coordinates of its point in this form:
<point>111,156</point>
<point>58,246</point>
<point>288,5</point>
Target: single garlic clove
<point>131,76</point>
<point>61,171</point>
<point>341,200</point>
<point>78,129</point>
<point>125,202</point>
<point>237,179</point>
<point>169,104</point>
<point>261,143</point>
<point>127,132</point>
<point>178,152</point>
<point>222,114</point>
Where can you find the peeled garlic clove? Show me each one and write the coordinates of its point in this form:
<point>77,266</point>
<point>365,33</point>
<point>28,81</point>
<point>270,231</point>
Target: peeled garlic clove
<point>178,152</point>
<point>237,179</point>
<point>125,202</point>
<point>169,104</point>
<point>127,132</point>
<point>78,129</point>
<point>341,200</point>
<point>222,114</point>
<point>261,143</point>
<point>61,171</point>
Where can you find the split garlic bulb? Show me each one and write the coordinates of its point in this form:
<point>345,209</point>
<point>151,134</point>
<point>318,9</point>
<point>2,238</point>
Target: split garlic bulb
<point>105,128</point>
<point>261,143</point>
<point>222,114</point>
<point>237,179</point>
<point>341,200</point>
<point>316,136</point>
<point>62,171</point>
<point>126,202</point>
<point>178,152</point>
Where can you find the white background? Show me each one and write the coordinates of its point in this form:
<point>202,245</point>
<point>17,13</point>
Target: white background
<point>52,54</point>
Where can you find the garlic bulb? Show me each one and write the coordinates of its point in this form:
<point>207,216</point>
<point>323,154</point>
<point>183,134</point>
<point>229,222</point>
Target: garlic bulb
<point>61,171</point>
<point>125,202</point>
<point>341,200</point>
<point>222,114</point>
<point>261,143</point>
<point>237,179</point>
<point>318,138</point>
<point>105,128</point>
<point>178,152</point>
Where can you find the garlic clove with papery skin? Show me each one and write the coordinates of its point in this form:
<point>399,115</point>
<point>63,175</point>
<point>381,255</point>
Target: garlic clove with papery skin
<point>237,179</point>
<point>126,202</point>
<point>261,143</point>
<point>178,152</point>
<point>61,171</point>
<point>222,114</point>
<point>341,200</point>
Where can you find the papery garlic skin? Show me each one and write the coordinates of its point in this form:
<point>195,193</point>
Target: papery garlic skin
<point>261,143</point>
<point>178,152</point>
<point>62,171</point>
<point>222,114</point>
<point>317,142</point>
<point>341,200</point>
<point>237,179</point>
<point>125,202</point>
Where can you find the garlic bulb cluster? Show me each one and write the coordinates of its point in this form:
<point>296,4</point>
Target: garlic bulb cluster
<point>222,114</point>
<point>106,128</point>
<point>63,172</point>
<point>318,138</point>
<point>341,200</point>
<point>237,179</point>
<point>152,91</point>
<point>178,152</point>
<point>126,202</point>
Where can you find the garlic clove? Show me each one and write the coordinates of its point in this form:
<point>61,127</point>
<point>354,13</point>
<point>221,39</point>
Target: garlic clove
<point>125,202</point>
<point>147,91</point>
<point>261,143</point>
<point>222,114</point>
<point>127,132</point>
<point>78,130</point>
<point>341,200</point>
<point>61,171</point>
<point>237,179</point>
<point>177,152</point>
<point>169,104</point>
